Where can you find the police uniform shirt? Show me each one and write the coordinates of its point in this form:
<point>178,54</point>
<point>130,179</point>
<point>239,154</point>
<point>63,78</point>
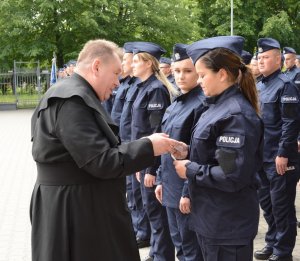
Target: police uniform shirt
<point>120,99</point>
<point>178,122</point>
<point>279,104</point>
<point>148,109</point>
<point>126,115</point>
<point>225,154</point>
<point>294,75</point>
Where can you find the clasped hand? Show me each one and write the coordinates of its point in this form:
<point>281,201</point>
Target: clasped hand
<point>163,144</point>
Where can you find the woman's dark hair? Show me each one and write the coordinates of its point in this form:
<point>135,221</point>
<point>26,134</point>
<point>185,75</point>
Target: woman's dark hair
<point>221,58</point>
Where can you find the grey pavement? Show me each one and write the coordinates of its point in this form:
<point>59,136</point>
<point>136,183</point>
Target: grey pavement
<point>17,177</point>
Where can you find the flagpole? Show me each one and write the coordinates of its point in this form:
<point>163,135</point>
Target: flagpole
<point>53,78</point>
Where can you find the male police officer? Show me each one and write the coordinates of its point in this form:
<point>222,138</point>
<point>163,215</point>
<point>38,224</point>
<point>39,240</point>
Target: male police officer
<point>290,64</point>
<point>278,178</point>
<point>165,67</point>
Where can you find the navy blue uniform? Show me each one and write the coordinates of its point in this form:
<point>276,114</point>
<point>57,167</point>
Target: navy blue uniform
<point>225,153</point>
<point>294,75</point>
<point>147,111</point>
<point>279,107</point>
<point>108,104</point>
<point>120,99</point>
<point>178,121</point>
<point>139,217</point>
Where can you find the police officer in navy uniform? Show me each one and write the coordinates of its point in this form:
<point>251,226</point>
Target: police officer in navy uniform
<point>225,152</point>
<point>297,62</point>
<point>246,57</point>
<point>153,98</point>
<point>125,83</point>
<point>254,68</point>
<point>124,104</point>
<point>178,121</point>
<point>165,67</point>
<point>278,177</point>
<point>290,64</point>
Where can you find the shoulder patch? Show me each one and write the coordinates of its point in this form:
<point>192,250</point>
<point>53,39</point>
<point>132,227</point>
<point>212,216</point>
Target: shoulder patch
<point>155,106</point>
<point>289,99</point>
<point>231,140</point>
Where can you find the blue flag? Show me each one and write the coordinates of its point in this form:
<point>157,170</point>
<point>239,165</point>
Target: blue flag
<point>53,78</point>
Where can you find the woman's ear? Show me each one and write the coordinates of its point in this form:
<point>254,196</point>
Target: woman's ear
<point>223,75</point>
<point>148,63</point>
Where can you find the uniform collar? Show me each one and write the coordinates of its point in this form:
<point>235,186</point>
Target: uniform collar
<point>148,81</point>
<point>271,76</point>
<point>192,92</point>
<point>291,69</point>
<point>223,96</point>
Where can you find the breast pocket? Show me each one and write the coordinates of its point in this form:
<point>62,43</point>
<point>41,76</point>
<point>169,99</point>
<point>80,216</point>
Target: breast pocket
<point>182,133</point>
<point>203,146</point>
<point>270,110</point>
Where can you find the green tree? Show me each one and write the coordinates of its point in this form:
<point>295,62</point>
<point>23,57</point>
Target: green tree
<point>33,30</point>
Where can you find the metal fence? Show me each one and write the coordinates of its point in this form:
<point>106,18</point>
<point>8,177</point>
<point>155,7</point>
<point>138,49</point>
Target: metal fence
<point>23,86</point>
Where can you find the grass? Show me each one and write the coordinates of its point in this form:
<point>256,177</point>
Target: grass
<point>24,100</point>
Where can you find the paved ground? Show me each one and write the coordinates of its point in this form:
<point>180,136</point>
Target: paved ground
<point>17,176</point>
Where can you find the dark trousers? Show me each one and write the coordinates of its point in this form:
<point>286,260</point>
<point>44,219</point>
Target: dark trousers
<point>138,214</point>
<point>277,199</point>
<point>162,248</point>
<point>224,252</point>
<point>184,239</point>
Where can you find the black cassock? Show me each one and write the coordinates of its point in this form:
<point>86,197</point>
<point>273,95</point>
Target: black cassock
<point>78,209</point>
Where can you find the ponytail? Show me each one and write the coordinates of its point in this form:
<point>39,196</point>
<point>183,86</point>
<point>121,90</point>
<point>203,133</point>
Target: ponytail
<point>219,58</point>
<point>172,90</point>
<point>159,75</point>
<point>248,86</point>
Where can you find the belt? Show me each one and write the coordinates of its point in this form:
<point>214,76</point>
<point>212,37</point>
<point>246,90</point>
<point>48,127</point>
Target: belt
<point>63,173</point>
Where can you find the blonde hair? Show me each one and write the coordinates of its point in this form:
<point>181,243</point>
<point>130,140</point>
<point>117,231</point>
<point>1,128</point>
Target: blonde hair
<point>99,48</point>
<point>160,76</point>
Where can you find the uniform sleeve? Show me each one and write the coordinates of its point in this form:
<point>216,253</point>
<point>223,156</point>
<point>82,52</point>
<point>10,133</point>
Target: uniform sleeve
<point>289,106</point>
<point>238,156</point>
<point>158,102</point>
<point>77,129</point>
<point>185,190</point>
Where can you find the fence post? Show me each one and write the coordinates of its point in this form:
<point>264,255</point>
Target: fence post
<point>38,76</point>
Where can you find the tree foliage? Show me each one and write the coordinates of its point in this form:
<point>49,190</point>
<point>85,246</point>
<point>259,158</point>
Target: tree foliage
<point>32,30</point>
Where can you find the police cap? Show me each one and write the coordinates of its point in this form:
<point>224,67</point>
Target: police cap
<point>287,50</point>
<point>199,48</point>
<point>165,60</point>
<point>128,47</point>
<point>246,57</point>
<point>71,62</point>
<point>148,47</point>
<point>255,56</point>
<point>266,44</point>
<point>179,52</point>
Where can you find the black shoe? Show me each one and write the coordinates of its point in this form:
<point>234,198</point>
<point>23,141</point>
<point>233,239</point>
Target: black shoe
<point>142,243</point>
<point>263,254</point>
<point>148,258</point>
<point>280,258</point>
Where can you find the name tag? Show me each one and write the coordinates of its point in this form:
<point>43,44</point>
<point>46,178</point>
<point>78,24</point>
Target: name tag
<point>231,140</point>
<point>289,99</point>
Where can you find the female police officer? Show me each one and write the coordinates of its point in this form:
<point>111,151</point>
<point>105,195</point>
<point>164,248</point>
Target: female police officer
<point>225,152</point>
<point>153,98</point>
<point>178,121</point>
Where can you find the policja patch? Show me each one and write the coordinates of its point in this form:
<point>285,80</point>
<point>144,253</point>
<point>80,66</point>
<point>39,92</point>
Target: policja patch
<point>231,140</point>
